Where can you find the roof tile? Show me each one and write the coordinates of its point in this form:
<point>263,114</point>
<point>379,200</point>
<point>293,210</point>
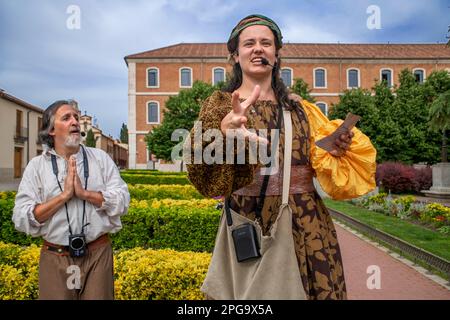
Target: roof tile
<point>307,50</point>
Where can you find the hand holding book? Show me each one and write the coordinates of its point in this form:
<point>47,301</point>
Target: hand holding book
<point>340,140</point>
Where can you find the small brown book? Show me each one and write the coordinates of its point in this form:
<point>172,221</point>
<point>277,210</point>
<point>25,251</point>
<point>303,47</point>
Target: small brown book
<point>329,142</point>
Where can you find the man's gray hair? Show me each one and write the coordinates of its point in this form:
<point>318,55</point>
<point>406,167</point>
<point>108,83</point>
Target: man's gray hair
<point>48,121</point>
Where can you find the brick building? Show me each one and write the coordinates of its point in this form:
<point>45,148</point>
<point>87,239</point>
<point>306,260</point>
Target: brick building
<point>19,127</point>
<point>329,69</point>
<point>117,151</point>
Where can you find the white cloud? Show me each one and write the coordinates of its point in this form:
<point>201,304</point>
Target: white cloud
<point>302,31</point>
<point>41,60</point>
<point>205,11</point>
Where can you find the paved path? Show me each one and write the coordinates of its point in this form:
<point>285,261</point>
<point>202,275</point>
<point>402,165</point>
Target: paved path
<point>10,185</point>
<point>398,281</point>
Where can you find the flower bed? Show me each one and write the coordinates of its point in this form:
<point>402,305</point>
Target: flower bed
<point>434,215</point>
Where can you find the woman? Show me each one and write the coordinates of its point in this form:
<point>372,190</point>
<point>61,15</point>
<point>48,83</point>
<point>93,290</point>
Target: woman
<point>254,46</point>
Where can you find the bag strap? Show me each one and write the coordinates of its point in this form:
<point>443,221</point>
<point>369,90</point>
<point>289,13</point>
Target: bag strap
<point>287,156</point>
<point>262,194</point>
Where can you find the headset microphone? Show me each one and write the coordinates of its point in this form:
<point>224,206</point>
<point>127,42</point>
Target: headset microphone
<point>265,62</point>
<point>83,134</point>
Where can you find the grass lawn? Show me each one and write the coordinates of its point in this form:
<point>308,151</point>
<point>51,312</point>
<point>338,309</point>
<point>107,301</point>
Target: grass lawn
<point>419,236</point>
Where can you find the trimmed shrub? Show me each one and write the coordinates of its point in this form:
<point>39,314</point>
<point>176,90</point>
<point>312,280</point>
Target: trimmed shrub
<point>400,178</point>
<point>8,232</point>
<point>167,223</point>
<point>160,274</point>
<point>138,273</point>
<point>397,177</point>
<point>7,195</point>
<point>423,179</point>
<point>155,179</point>
<point>156,203</point>
<point>18,272</point>
<point>176,227</point>
<point>154,172</point>
<point>172,191</point>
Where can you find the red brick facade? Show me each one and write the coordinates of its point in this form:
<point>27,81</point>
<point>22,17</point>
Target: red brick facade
<point>301,59</point>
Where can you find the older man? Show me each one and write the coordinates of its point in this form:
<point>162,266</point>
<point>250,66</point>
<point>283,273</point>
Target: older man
<point>72,196</point>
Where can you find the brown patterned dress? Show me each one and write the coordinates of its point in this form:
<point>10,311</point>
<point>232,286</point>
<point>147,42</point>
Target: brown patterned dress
<point>316,245</point>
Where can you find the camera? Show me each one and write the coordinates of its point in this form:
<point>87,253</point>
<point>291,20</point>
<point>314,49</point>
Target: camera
<point>245,242</point>
<point>219,206</point>
<point>77,245</point>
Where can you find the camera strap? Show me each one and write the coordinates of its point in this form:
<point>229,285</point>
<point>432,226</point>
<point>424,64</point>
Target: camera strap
<point>262,194</point>
<point>86,176</point>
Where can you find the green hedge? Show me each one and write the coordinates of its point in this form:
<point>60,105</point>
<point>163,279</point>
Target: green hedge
<point>8,233</point>
<point>155,179</point>
<point>138,273</point>
<point>6,195</point>
<point>179,228</point>
<point>170,191</point>
<point>18,272</point>
<point>159,274</point>
<point>154,172</point>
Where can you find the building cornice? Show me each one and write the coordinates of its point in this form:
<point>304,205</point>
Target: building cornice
<point>301,60</point>
<point>20,102</point>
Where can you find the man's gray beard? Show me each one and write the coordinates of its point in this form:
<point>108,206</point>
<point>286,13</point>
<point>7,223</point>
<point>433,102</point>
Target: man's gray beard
<point>72,141</point>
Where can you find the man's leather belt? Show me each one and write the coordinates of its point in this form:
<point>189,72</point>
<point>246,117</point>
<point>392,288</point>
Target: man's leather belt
<point>64,250</point>
<point>301,182</point>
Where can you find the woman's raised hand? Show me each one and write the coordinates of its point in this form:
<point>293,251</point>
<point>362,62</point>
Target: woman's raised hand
<point>237,118</point>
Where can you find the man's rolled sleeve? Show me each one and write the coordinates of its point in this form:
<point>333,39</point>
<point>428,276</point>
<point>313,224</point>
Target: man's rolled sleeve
<point>27,198</point>
<point>116,195</point>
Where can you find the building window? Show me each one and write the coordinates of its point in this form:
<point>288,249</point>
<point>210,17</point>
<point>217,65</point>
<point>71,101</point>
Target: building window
<point>39,125</point>
<point>386,75</point>
<point>153,112</point>
<point>185,77</point>
<point>419,74</point>
<point>320,78</point>
<point>18,123</point>
<point>218,75</point>
<point>323,107</point>
<point>286,76</point>
<point>353,78</point>
<point>152,78</point>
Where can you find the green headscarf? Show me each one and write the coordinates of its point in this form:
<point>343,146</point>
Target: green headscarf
<point>256,19</point>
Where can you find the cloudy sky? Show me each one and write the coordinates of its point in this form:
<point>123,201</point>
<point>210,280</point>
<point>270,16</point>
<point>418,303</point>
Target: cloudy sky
<point>43,60</point>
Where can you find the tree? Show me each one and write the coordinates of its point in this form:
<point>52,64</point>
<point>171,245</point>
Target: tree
<point>448,37</point>
<point>360,102</point>
<point>396,119</point>
<point>436,94</point>
<point>440,119</point>
<point>90,139</point>
<point>124,133</point>
<point>387,137</point>
<point>300,87</point>
<point>182,111</point>
<point>410,113</point>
